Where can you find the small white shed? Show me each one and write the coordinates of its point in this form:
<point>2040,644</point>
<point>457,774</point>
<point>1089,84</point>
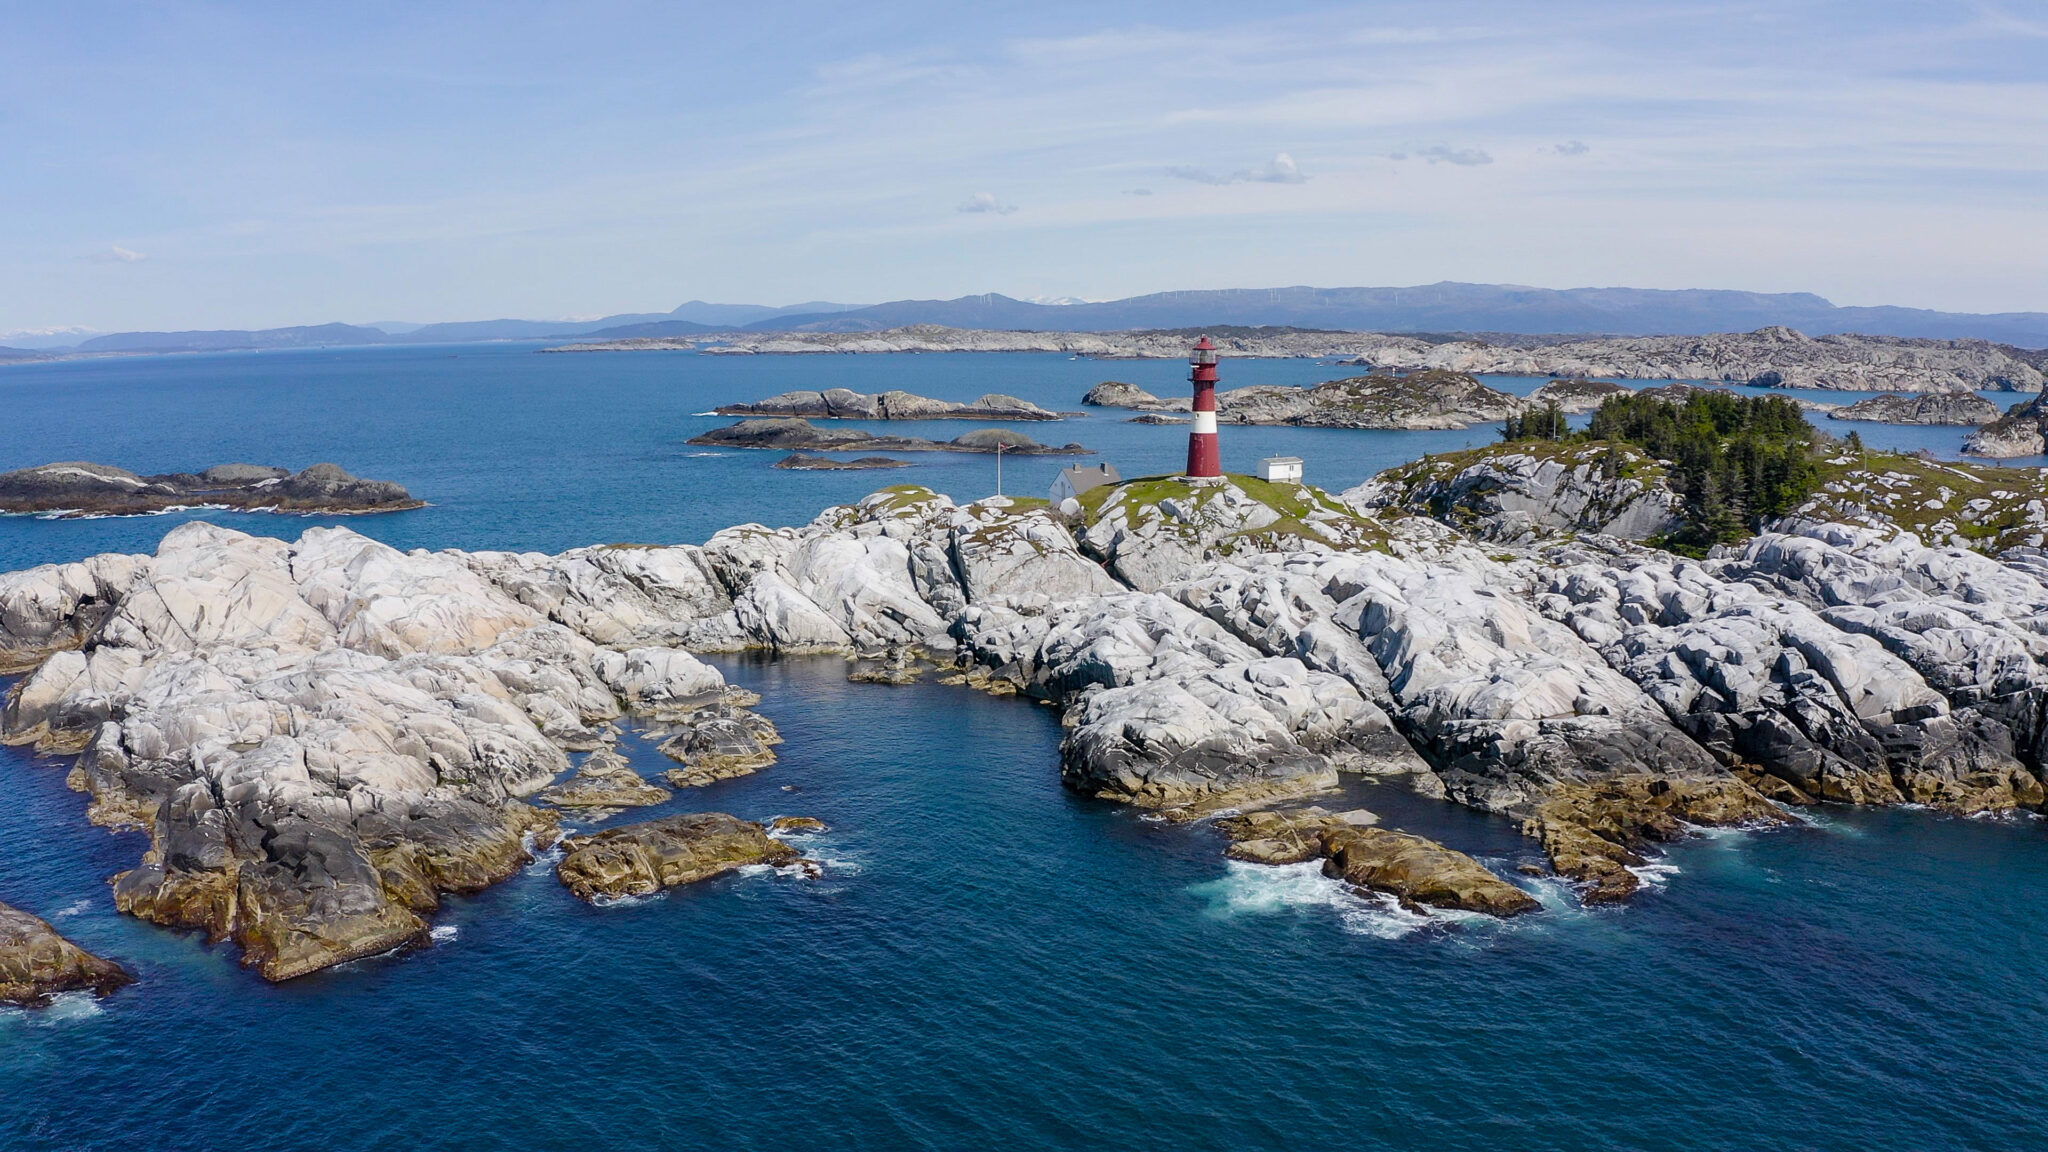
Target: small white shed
<point>1080,478</point>
<point>1281,469</point>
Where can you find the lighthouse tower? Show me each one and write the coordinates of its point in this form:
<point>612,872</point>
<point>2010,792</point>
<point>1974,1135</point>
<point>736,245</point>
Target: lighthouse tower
<point>1204,458</point>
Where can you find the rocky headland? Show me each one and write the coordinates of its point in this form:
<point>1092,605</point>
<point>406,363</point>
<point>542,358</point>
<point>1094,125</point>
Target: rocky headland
<point>1423,400</point>
<point>37,964</point>
<point>2022,431</point>
<point>323,736</point>
<point>846,404</point>
<point>77,488</point>
<point>1767,357</point>
<point>795,434</point>
<point>1962,408</point>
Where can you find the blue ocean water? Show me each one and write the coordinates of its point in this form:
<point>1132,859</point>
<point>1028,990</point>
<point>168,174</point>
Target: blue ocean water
<point>988,960</point>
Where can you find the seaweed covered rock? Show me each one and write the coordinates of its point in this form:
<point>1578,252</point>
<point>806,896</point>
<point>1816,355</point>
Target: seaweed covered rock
<point>642,859</point>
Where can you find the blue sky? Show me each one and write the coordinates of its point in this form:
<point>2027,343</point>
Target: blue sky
<point>238,165</point>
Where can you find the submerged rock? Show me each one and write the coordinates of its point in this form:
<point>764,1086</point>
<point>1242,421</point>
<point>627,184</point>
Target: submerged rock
<point>642,859</point>
<point>36,963</point>
<point>77,488</point>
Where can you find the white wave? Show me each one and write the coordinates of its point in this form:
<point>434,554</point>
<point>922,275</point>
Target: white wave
<point>703,455</point>
<point>1655,875</point>
<point>72,909</point>
<point>66,1007</point>
<point>627,901</point>
<point>1266,889</point>
<point>713,412</point>
<point>543,862</point>
<point>444,934</point>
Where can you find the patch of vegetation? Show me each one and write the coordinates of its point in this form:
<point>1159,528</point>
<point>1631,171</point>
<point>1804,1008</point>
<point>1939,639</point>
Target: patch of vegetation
<point>1736,461</point>
<point>1305,513</point>
<point>1983,507</point>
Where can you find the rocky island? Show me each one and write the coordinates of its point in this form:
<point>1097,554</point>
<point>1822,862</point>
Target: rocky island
<point>36,963</point>
<point>1431,399</point>
<point>76,488</point>
<point>1963,408</point>
<point>805,462</point>
<point>846,404</point>
<point>1768,357</point>
<point>323,737</point>
<point>792,434</point>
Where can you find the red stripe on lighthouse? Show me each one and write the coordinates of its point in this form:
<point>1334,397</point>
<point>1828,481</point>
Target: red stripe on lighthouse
<point>1205,456</point>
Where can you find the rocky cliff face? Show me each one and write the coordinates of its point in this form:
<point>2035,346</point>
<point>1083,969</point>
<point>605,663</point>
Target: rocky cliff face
<point>1965,408</point>
<point>323,736</point>
<point>1516,493</point>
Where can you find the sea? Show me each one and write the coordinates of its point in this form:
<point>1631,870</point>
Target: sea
<point>987,960</point>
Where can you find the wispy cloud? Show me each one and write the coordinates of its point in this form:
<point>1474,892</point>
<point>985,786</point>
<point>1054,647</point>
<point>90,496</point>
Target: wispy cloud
<point>1462,157</point>
<point>1572,148</point>
<point>1281,169</point>
<point>986,202</point>
<point>115,254</point>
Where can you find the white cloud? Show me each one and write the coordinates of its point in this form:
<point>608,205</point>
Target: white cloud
<point>1463,157</point>
<point>1571,148</point>
<point>115,254</point>
<point>1281,169</point>
<point>986,202</point>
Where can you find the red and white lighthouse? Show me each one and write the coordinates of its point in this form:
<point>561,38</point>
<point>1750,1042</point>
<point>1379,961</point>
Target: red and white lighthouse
<point>1204,457</point>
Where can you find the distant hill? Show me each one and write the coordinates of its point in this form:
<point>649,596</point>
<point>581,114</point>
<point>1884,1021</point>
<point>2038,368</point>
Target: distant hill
<point>22,354</point>
<point>1445,307</point>
<point>312,336</point>
<point>1430,308</point>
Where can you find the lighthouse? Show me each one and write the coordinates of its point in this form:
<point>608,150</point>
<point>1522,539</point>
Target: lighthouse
<point>1204,457</point>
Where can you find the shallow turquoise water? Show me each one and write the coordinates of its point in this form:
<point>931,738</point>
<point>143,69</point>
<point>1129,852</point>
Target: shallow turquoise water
<point>990,960</point>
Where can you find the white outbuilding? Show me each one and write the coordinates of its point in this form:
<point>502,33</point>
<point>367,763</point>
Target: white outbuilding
<point>1281,469</point>
<point>1081,478</point>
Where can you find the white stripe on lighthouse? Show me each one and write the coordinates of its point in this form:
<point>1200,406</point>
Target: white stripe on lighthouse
<point>1205,424</point>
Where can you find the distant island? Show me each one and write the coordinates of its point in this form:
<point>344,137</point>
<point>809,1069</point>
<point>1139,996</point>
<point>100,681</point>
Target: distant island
<point>1774,357</point>
<point>846,404</point>
<point>796,435</point>
<point>80,488</point>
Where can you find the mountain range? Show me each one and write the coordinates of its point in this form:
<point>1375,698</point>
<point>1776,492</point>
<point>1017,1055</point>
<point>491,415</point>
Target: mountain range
<point>1446,307</point>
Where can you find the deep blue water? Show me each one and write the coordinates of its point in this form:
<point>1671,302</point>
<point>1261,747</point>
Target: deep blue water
<point>989,961</point>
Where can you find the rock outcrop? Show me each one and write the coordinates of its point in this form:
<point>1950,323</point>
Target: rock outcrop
<point>1413,869</point>
<point>642,859</point>
<point>1431,399</point>
<point>36,963</point>
<point>1963,408</point>
<point>1574,395</point>
<point>2022,431</point>
<point>75,488</point>
<point>846,404</point>
<point>321,738</point>
<point>1516,493</point>
<point>792,434</point>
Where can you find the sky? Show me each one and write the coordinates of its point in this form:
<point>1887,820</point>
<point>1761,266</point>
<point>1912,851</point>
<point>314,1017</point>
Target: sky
<point>204,165</point>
